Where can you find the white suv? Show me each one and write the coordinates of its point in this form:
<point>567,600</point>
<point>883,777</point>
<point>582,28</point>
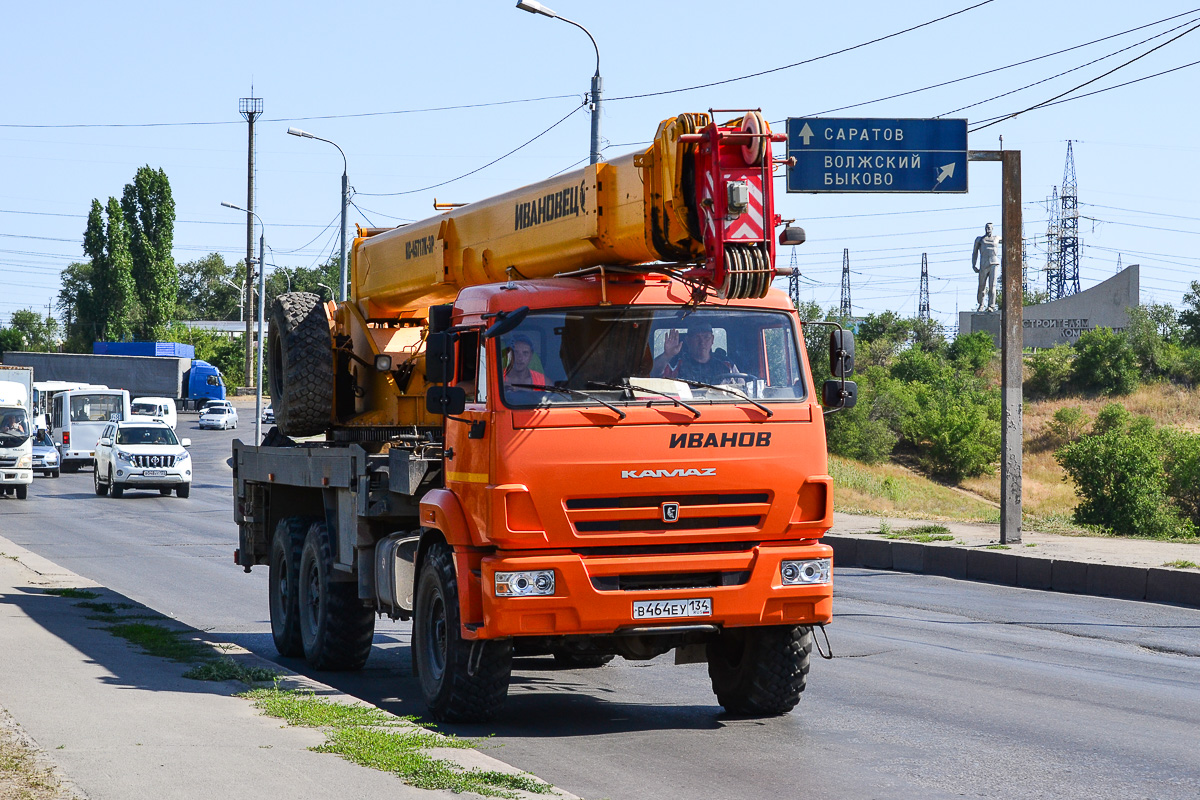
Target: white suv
<point>142,454</point>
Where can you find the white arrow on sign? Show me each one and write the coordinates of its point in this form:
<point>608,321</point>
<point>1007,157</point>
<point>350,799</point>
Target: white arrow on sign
<point>945,171</point>
<point>806,133</point>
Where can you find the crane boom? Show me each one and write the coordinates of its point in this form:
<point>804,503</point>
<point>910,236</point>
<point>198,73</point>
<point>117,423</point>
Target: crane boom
<point>699,196</point>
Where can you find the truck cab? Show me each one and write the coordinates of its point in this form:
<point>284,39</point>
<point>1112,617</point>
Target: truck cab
<point>16,439</point>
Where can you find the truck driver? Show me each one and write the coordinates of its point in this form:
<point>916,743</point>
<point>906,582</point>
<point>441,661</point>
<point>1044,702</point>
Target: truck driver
<point>692,358</point>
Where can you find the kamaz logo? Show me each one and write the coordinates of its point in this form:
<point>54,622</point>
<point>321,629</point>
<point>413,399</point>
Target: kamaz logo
<point>668,473</point>
<point>415,248</point>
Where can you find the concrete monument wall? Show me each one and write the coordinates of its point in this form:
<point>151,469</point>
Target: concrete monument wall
<point>1063,321</point>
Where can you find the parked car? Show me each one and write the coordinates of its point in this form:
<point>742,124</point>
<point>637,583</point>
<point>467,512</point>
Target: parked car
<point>222,417</point>
<point>45,455</point>
<point>142,454</point>
<point>156,408</point>
<point>268,414</point>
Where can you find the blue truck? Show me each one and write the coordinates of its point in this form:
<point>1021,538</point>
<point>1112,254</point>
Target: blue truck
<point>152,369</point>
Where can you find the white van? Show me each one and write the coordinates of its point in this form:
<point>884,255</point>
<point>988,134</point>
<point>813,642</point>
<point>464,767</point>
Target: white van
<point>154,407</point>
<point>77,418</point>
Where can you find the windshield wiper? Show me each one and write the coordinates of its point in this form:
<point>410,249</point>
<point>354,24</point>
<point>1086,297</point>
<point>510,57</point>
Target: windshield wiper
<point>563,390</point>
<point>632,388</point>
<point>727,390</point>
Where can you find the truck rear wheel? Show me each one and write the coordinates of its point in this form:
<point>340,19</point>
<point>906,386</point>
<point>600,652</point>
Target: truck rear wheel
<point>760,671</point>
<point>301,364</point>
<point>335,627</point>
<point>462,681</point>
<point>283,585</point>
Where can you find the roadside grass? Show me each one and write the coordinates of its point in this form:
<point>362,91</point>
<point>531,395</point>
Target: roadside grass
<point>226,669</point>
<point>373,738</point>
<point>922,533</point>
<point>890,490</point>
<point>161,641</point>
<point>78,594</point>
<point>21,777</point>
<point>1182,563</point>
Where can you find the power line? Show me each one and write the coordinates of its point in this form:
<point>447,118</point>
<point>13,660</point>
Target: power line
<point>477,169</point>
<point>800,63</point>
<point>994,121</point>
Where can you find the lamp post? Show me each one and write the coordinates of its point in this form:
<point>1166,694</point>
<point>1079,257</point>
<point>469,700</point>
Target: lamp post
<point>534,7</point>
<point>262,294</point>
<point>345,204</point>
<point>241,290</point>
<point>332,294</point>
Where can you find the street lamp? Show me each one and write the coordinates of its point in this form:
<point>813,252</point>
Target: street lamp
<point>534,7</point>
<point>332,294</point>
<point>241,290</point>
<point>262,294</point>
<point>345,203</point>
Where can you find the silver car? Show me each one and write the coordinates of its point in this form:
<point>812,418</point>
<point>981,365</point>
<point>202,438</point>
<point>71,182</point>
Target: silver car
<point>219,417</point>
<point>45,455</point>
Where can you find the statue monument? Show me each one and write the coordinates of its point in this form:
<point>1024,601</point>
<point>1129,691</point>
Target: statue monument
<point>987,253</point>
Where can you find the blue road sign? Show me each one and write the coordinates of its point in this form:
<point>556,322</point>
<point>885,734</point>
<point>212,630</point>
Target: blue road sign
<point>877,155</point>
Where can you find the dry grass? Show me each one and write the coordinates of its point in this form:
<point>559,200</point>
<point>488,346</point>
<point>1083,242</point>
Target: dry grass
<point>23,776</point>
<point>890,490</point>
<point>1045,492</point>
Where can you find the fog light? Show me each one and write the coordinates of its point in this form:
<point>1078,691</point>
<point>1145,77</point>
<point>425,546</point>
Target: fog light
<point>811,571</point>
<point>525,584</point>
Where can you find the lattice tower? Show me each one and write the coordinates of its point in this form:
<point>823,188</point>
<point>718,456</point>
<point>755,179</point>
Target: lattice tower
<point>1053,273</point>
<point>923,300</point>
<point>846,304</point>
<point>1069,243</point>
<point>794,279</point>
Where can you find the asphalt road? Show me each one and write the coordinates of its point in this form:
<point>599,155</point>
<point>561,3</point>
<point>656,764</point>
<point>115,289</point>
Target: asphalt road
<point>937,689</point>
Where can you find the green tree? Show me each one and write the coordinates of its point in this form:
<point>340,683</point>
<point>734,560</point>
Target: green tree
<point>106,242</point>
<point>1189,317</point>
<point>40,333</point>
<point>1050,370</point>
<point>972,351</point>
<point>1150,332</point>
<point>78,308</point>
<point>1105,363</point>
<point>149,211</point>
<point>205,291</point>
<point>955,426</point>
<point>11,340</point>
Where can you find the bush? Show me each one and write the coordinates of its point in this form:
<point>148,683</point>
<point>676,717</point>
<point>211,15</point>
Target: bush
<point>1050,371</point>
<point>1068,424</point>
<point>1113,417</point>
<point>1105,363</point>
<point>1122,483</point>
<point>954,428</point>
<point>972,351</point>
<point>1182,465</point>
<point>867,431</point>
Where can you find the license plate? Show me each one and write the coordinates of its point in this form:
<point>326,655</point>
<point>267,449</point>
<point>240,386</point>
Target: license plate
<point>666,609</point>
<point>155,473</point>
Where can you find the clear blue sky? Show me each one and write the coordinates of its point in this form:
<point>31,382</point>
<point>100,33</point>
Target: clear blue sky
<point>126,64</point>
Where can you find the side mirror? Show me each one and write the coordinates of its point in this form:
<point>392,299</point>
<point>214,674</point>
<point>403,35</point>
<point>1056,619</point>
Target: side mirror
<point>506,321</point>
<point>186,442</point>
<point>445,400</point>
<point>105,441</point>
<point>841,353</point>
<point>439,358</point>
<point>838,394</point>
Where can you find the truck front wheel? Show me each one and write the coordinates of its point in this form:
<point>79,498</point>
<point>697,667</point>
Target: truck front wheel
<point>283,585</point>
<point>335,627</point>
<point>760,671</point>
<point>462,681</point>
<point>22,491</point>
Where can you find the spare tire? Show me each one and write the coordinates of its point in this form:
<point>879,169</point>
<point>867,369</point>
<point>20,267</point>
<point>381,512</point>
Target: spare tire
<point>300,350</point>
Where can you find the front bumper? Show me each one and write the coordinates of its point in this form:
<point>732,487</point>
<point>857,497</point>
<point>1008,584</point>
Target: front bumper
<point>136,476</point>
<point>580,606</point>
<point>11,476</point>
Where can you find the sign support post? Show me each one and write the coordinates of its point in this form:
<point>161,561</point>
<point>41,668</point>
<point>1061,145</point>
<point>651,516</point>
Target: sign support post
<point>1011,342</point>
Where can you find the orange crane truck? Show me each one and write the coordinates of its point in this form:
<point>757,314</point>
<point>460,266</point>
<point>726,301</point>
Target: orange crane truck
<point>573,419</point>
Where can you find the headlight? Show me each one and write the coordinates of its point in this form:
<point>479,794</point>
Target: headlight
<point>121,455</point>
<point>51,458</point>
<point>524,584</point>
<point>810,571</point>
<point>184,456</point>
<point>25,462</point>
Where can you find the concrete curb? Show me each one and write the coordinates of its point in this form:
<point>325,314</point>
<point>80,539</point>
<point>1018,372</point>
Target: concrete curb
<point>1155,584</point>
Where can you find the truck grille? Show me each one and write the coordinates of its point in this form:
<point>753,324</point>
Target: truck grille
<point>697,512</point>
<point>143,462</point>
<point>8,462</point>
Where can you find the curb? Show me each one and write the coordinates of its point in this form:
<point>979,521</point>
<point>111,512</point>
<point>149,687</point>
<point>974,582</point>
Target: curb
<point>1155,584</point>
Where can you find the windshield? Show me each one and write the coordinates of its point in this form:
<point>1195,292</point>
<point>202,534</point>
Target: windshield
<point>639,354</point>
<point>95,407</point>
<point>145,409</point>
<point>14,427</point>
<point>146,435</point>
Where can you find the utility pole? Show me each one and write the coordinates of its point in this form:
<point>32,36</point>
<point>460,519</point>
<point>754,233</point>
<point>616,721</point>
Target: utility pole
<point>923,299</point>
<point>251,109</point>
<point>847,306</point>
